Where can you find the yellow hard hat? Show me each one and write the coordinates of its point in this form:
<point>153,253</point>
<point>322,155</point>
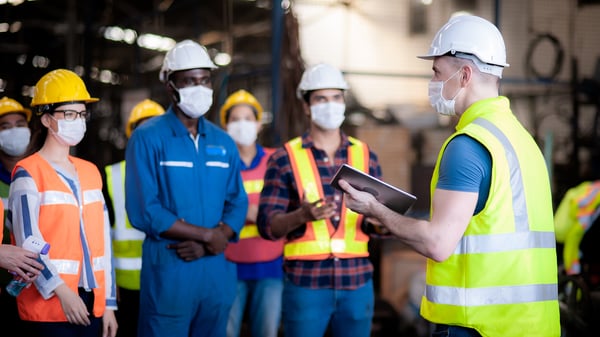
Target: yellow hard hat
<point>240,97</point>
<point>60,86</point>
<point>9,105</point>
<point>144,109</point>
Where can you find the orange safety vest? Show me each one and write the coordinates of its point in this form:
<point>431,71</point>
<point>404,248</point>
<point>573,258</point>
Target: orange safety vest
<point>321,239</point>
<point>59,218</point>
<point>251,247</point>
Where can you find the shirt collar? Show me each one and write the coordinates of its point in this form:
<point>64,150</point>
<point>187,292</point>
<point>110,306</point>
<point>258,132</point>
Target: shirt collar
<point>179,128</point>
<point>307,140</point>
<point>260,152</point>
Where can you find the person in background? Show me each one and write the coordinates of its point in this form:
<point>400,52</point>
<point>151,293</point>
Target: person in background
<point>328,276</point>
<point>127,241</point>
<point>184,190</point>
<point>259,261</point>
<point>14,139</point>
<point>490,243</point>
<point>58,198</point>
<point>577,226</point>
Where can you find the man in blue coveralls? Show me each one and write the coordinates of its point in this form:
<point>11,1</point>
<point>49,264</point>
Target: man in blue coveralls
<point>184,190</point>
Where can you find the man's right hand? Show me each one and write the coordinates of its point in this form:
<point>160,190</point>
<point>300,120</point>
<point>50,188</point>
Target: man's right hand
<point>215,240</point>
<point>317,210</point>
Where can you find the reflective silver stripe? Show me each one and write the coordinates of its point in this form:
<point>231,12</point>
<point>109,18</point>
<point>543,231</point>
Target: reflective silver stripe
<point>99,263</point>
<point>118,197</point>
<point>491,295</point>
<point>177,163</point>
<point>516,179</point>
<point>58,198</point>
<point>217,164</point>
<point>66,266</point>
<point>128,263</point>
<point>128,234</point>
<point>92,196</point>
<point>495,243</point>
<point>5,203</point>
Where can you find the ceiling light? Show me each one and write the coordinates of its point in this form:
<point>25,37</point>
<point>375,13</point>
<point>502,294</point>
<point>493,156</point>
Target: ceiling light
<point>222,59</point>
<point>40,61</point>
<point>155,42</point>
<point>16,26</point>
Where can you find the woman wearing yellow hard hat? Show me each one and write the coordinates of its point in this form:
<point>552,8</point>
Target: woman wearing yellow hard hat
<point>259,261</point>
<point>75,295</point>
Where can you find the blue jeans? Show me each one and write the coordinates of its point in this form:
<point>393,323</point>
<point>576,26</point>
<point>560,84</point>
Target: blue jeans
<point>309,312</point>
<point>443,330</point>
<point>263,298</point>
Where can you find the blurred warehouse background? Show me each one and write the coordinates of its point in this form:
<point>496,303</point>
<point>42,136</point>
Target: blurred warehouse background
<point>263,46</point>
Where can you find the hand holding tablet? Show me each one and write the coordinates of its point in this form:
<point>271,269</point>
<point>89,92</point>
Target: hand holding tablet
<point>391,196</point>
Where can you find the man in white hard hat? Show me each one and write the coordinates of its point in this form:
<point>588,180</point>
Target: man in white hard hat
<point>184,190</point>
<point>327,269</point>
<point>490,244</point>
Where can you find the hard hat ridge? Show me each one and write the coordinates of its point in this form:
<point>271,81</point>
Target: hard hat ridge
<point>144,109</point>
<point>240,97</point>
<point>9,105</point>
<point>471,37</point>
<point>186,55</point>
<point>321,76</point>
<point>60,86</point>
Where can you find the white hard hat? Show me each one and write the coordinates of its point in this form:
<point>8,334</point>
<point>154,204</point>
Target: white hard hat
<point>466,35</point>
<point>186,54</point>
<point>321,76</point>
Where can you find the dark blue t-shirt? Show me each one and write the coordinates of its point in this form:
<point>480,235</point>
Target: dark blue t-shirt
<point>466,166</point>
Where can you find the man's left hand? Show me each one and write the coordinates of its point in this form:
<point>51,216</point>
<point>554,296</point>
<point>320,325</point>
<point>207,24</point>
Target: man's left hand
<point>189,250</point>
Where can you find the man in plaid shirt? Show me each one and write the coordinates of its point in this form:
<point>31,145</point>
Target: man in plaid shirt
<point>328,281</point>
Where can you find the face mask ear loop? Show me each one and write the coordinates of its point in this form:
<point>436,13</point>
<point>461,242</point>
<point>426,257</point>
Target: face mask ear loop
<point>176,95</point>
<point>446,81</point>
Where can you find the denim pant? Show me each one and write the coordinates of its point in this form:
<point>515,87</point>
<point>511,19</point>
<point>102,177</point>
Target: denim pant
<point>442,330</point>
<point>263,299</point>
<point>310,312</point>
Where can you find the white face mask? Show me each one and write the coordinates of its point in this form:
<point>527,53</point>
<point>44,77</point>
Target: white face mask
<point>195,101</point>
<point>69,132</point>
<point>14,141</point>
<point>437,100</point>
<point>328,115</point>
<point>244,132</point>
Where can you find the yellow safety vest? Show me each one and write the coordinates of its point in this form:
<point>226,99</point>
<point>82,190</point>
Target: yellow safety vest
<point>577,211</point>
<point>501,279</point>
<point>321,240</point>
<point>127,241</point>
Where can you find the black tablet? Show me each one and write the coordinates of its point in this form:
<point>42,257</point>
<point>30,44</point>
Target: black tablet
<point>391,196</point>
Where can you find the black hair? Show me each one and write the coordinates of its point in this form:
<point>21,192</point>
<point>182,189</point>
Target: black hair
<point>306,96</point>
<point>228,111</point>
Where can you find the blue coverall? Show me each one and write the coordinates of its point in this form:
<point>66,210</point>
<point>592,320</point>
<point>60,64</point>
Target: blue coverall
<point>168,177</point>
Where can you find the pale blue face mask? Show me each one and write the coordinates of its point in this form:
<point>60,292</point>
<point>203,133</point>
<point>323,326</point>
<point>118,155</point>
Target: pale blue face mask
<point>69,132</point>
<point>436,97</point>
<point>14,141</point>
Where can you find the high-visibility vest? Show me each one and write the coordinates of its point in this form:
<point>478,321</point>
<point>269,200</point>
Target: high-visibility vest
<point>251,247</point>
<point>502,277</point>
<point>59,223</point>
<point>321,239</point>
<point>126,240</point>
<point>575,214</point>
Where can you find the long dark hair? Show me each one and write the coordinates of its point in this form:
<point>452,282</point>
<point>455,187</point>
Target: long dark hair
<point>38,131</point>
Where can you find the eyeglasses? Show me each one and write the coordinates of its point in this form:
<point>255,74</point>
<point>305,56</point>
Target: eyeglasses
<point>71,115</point>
